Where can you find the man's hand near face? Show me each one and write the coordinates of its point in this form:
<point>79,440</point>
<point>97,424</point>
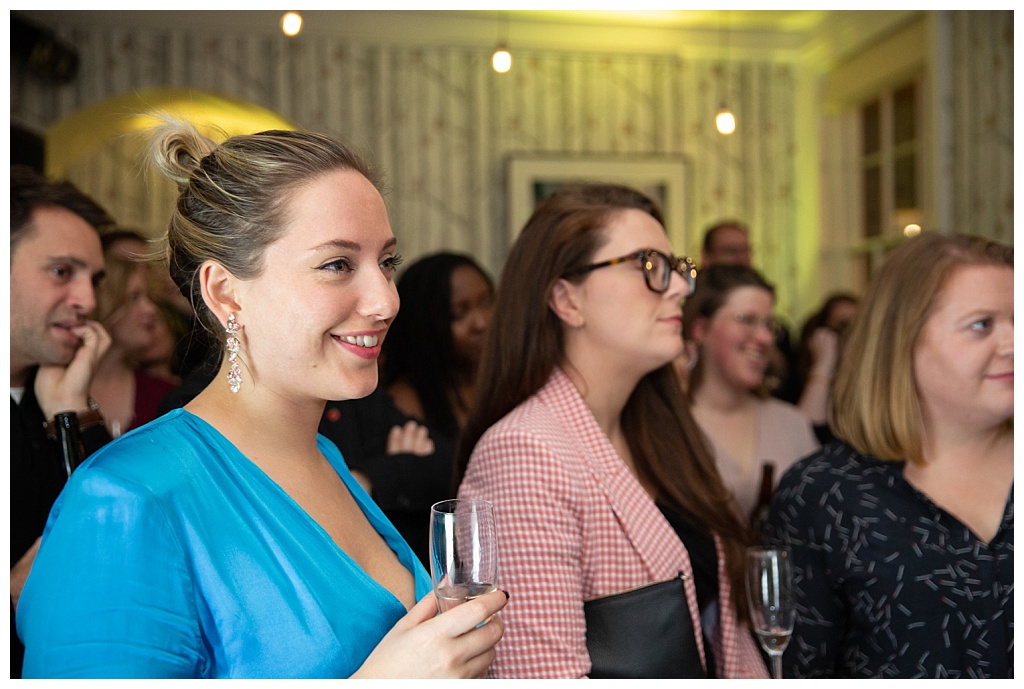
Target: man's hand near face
<point>66,388</point>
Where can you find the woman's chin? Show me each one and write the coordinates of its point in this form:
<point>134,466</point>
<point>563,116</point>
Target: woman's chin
<point>355,387</point>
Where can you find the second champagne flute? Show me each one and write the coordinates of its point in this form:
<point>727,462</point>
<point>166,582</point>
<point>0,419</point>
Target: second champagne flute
<point>770,591</point>
<point>463,551</point>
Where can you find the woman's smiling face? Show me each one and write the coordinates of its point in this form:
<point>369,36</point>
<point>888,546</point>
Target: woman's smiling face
<point>736,340</point>
<point>314,319</point>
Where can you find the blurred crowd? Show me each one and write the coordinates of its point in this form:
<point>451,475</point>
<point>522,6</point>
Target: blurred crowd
<point>226,436</point>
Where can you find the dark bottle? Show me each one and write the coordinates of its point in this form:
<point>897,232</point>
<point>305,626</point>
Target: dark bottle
<point>759,515</point>
<point>70,440</point>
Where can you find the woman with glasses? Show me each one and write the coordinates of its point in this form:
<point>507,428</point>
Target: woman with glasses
<point>902,533</point>
<point>581,438</point>
<point>730,321</point>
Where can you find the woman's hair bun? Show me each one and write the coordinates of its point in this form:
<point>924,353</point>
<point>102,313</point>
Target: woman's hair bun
<point>178,148</point>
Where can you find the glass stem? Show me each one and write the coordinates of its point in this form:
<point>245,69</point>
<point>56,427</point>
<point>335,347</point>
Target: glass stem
<point>777,665</point>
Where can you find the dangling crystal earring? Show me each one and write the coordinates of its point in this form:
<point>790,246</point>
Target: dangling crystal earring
<point>235,374</point>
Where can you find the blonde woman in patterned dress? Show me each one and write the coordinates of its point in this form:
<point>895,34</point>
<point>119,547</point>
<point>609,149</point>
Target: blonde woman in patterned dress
<point>902,534</point>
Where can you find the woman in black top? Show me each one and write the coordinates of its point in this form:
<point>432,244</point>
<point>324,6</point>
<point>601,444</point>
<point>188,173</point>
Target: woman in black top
<point>430,355</point>
<point>902,534</point>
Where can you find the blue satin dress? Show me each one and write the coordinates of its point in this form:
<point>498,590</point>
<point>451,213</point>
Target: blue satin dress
<point>170,554</point>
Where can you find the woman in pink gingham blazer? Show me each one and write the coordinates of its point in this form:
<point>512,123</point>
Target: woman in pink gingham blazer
<point>581,438</point>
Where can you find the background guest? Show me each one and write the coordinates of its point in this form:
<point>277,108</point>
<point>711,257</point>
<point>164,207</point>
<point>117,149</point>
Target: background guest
<point>429,360</point>
<point>160,360</point>
<point>582,440</point>
<point>431,354</point>
<point>902,534</point>
<point>243,547</point>
<point>127,395</point>
<point>194,347</point>
<point>730,319</point>
<point>727,242</point>
<point>818,355</point>
<point>396,459</point>
<point>56,262</point>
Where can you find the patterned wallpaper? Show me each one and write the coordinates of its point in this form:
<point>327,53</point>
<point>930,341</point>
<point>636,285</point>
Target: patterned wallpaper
<point>442,125</point>
<point>983,123</point>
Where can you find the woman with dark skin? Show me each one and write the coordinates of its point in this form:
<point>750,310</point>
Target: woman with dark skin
<point>431,354</point>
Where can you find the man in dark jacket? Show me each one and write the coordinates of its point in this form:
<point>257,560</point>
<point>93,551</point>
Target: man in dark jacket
<point>56,261</point>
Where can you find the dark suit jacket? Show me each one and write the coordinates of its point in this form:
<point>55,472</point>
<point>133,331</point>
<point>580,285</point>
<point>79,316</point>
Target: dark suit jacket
<point>37,478</point>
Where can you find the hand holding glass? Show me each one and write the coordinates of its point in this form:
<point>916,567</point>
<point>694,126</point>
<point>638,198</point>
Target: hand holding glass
<point>463,551</point>
<point>770,593</point>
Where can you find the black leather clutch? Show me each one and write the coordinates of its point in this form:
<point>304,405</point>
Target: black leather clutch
<point>644,633</point>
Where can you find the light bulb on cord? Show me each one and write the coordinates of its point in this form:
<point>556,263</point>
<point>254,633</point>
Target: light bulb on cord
<point>501,60</point>
<point>725,121</point>
<point>291,23</point>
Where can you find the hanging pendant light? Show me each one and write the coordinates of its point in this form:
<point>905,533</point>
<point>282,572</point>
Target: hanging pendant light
<point>501,60</point>
<point>725,121</point>
<point>291,23</point>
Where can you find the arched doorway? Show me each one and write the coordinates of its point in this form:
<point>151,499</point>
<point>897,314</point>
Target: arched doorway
<point>101,149</point>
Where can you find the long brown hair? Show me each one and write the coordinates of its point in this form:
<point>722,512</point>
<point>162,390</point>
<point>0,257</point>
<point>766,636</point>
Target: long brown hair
<point>525,343</point>
<point>422,332</point>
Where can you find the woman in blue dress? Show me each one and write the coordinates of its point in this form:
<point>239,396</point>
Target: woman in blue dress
<point>228,538</point>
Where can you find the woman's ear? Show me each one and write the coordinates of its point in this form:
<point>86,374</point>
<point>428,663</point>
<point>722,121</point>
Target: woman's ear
<point>219,289</point>
<point>564,303</point>
<point>699,330</point>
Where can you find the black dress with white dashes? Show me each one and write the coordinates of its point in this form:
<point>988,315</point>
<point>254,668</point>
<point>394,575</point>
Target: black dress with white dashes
<point>888,584</point>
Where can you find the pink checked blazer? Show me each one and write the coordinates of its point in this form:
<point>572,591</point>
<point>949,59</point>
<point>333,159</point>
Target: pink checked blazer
<point>574,524</point>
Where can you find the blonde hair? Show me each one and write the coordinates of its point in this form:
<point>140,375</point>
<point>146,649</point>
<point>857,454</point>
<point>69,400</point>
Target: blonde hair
<point>874,405</point>
<point>112,290</point>
<point>233,195</point>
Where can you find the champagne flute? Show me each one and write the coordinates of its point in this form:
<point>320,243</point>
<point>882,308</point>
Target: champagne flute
<point>770,593</point>
<point>463,551</point>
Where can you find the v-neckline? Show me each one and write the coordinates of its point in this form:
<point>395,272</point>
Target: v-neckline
<point>349,482</point>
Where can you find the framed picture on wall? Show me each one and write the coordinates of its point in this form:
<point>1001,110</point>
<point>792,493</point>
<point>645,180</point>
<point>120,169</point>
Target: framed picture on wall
<point>532,178</point>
